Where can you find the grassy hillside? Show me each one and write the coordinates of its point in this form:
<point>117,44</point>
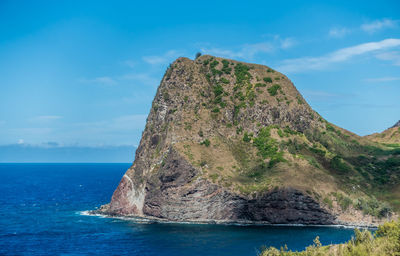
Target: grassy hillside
<point>247,129</point>
<point>251,131</point>
<point>385,241</point>
<point>390,136</point>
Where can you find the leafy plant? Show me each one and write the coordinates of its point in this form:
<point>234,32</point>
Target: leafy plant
<point>267,79</point>
<point>215,110</point>
<point>205,142</point>
<point>224,80</point>
<point>273,90</point>
<point>225,67</point>
<point>246,137</point>
<point>386,241</point>
<point>267,146</point>
<point>242,74</point>
<point>339,165</point>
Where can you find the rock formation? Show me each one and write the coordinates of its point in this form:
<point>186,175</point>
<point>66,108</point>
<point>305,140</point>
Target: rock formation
<point>227,141</point>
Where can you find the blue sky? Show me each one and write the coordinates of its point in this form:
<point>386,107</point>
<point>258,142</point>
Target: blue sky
<point>84,73</point>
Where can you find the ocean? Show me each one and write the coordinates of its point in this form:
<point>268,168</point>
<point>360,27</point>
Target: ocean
<point>42,206</point>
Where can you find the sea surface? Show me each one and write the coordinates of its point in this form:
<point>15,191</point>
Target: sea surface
<point>41,209</point>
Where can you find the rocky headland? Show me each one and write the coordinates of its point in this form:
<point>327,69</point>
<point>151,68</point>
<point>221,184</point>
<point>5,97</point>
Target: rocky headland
<point>227,141</point>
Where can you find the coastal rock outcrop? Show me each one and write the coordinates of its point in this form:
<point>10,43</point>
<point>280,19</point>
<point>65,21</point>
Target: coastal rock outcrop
<point>227,141</point>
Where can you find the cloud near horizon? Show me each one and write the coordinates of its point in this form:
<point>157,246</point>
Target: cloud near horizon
<point>377,25</point>
<point>341,55</point>
<point>106,80</point>
<point>250,51</point>
<point>382,79</point>
<point>50,117</point>
<point>165,58</point>
<point>337,32</point>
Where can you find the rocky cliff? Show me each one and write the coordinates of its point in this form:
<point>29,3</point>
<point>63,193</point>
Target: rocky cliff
<point>228,141</point>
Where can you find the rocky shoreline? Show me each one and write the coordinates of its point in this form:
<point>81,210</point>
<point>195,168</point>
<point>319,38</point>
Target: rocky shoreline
<point>149,219</point>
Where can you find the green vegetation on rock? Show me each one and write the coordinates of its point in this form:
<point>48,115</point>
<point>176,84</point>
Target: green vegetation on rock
<point>273,90</point>
<point>385,241</point>
<point>259,123</point>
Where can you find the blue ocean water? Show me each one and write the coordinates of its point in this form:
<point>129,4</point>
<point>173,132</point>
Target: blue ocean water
<point>40,207</point>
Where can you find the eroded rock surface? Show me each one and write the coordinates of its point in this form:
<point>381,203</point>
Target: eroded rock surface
<point>235,142</point>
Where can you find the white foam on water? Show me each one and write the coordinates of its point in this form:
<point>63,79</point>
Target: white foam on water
<point>144,220</point>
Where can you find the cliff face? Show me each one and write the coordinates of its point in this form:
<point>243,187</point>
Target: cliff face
<point>174,193</point>
<point>230,141</point>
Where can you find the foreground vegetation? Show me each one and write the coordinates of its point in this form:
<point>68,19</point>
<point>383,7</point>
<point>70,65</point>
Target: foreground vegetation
<point>385,241</point>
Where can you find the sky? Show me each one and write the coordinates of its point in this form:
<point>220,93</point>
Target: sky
<point>83,73</point>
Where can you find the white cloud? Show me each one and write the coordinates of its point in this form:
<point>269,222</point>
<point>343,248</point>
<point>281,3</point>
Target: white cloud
<point>221,52</point>
<point>249,51</point>
<point>324,94</point>
<point>46,118</point>
<point>100,80</point>
<point>393,56</point>
<point>20,141</point>
<point>142,78</point>
<point>338,32</point>
<point>166,58</point>
<point>383,79</point>
<point>287,43</point>
<point>341,55</point>
<point>129,63</point>
<point>377,25</point>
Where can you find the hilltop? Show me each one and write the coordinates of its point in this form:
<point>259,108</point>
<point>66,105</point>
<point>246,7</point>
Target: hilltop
<point>389,136</point>
<point>227,141</point>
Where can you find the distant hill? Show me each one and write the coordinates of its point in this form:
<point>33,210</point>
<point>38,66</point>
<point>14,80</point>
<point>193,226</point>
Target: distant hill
<point>396,124</point>
<point>389,136</point>
<point>231,141</point>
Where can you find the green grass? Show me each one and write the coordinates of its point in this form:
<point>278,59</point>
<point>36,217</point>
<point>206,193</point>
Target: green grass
<point>165,95</point>
<point>214,177</point>
<point>267,79</point>
<point>257,85</point>
<point>373,207</point>
<point>299,100</point>
<point>242,74</point>
<point>214,64</point>
<point>343,201</point>
<point>206,142</point>
<point>225,68</point>
<point>215,110</point>
<point>273,90</point>
<point>246,137</point>
<point>328,202</point>
<point>267,146</point>
<point>224,80</point>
